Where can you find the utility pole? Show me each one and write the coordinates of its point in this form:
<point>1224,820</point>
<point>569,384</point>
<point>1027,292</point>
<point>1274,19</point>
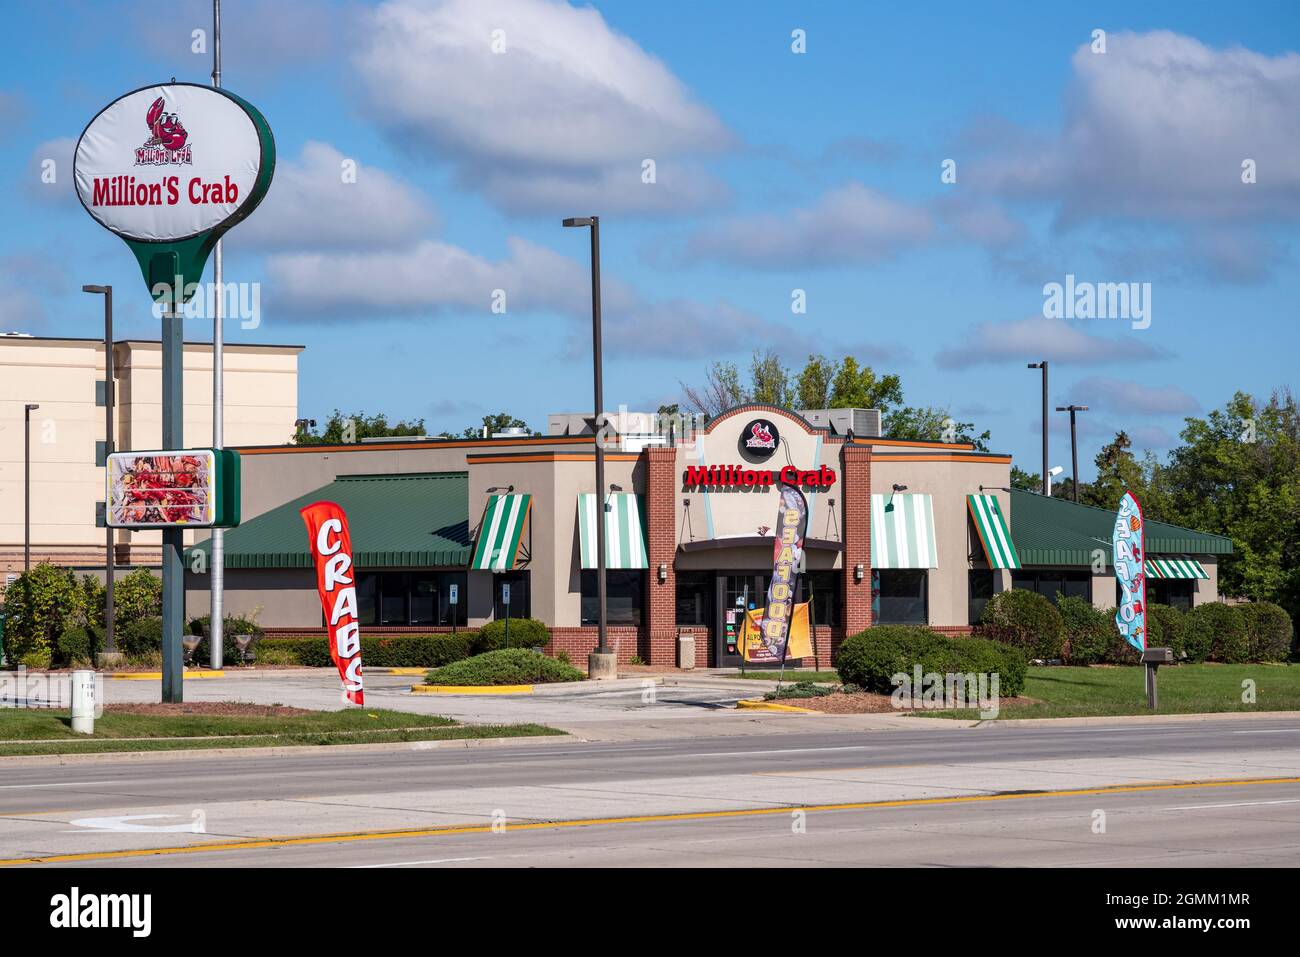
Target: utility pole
<point>109,654</point>
<point>1074,443</point>
<point>217,581</point>
<point>1047,479</point>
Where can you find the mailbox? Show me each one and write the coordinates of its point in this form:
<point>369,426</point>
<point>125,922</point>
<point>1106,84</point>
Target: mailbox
<point>1158,656</point>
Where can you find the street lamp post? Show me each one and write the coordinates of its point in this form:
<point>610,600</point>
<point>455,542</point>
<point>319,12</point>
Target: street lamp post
<point>1074,443</point>
<point>602,663</point>
<point>110,645</point>
<point>1047,480</point>
<point>28,409</point>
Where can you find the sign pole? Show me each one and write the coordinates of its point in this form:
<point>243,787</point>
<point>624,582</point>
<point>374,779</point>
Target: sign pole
<point>173,544</point>
<point>217,619</point>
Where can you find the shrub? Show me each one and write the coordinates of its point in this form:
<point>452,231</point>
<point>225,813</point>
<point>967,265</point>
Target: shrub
<point>139,639</point>
<point>80,643</point>
<point>137,596</point>
<point>802,689</point>
<point>1026,620</point>
<point>93,599</point>
<point>36,660</point>
<point>1088,631</point>
<point>377,651</point>
<point>1165,629</point>
<point>507,666</point>
<point>1268,631</point>
<point>1119,651</point>
<point>1216,632</point>
<point>524,633</point>
<point>39,606</point>
<point>870,659</point>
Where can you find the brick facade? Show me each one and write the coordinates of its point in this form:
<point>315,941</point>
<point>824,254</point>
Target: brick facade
<point>855,490</point>
<point>660,612</point>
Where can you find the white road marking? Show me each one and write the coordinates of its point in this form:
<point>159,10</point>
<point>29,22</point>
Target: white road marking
<point>441,860</point>
<point>1268,731</point>
<point>1206,807</point>
<point>61,784</point>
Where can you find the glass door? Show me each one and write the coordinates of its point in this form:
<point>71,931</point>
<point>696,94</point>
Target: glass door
<point>737,593</point>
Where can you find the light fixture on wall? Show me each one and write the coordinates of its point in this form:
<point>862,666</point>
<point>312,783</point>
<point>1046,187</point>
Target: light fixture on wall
<point>858,571</point>
<point>663,573</point>
<point>615,488</point>
<point>497,488</point>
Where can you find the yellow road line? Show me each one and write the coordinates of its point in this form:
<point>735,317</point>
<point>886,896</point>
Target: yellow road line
<point>757,704</point>
<point>353,836</point>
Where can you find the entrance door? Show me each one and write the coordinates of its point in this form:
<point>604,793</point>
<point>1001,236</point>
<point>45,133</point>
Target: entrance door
<point>736,594</point>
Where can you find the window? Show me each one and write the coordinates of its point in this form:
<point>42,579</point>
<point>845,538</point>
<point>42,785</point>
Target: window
<point>695,597</point>
<point>409,598</point>
<point>899,596</point>
<point>623,590</point>
<point>824,589</point>
<point>1049,581</point>
<point>982,585</point>
<point>521,599</point>
<point>1175,592</point>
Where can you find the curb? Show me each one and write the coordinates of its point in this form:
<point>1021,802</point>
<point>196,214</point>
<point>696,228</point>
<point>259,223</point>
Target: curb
<point>471,689</point>
<point>280,750</point>
<point>757,704</point>
<point>400,671</point>
<point>157,675</point>
<point>1117,719</point>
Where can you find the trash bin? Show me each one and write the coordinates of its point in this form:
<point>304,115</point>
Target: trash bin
<point>685,649</point>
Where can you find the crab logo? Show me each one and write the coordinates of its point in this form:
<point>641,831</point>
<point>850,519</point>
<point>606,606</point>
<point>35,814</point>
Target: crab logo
<point>760,438</point>
<point>167,138</point>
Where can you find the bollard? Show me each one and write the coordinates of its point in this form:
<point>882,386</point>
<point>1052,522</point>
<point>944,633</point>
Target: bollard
<point>83,702</point>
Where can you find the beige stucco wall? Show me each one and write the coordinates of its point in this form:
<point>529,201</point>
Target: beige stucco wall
<point>59,375</point>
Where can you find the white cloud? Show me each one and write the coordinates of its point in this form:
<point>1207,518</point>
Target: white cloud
<point>1157,129</point>
<point>565,113</point>
<point>851,224</point>
<point>1035,338</point>
<point>1127,395</point>
<point>311,206</point>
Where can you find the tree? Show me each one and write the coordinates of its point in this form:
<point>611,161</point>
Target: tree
<point>342,429</point>
<point>1026,481</point>
<point>721,390</point>
<point>812,387</point>
<point>771,381</point>
<point>932,424</point>
<point>1238,474</point>
<point>493,424</point>
<point>40,605</point>
<point>858,387</point>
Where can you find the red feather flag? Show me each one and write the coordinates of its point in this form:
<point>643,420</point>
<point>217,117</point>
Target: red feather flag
<point>331,549</point>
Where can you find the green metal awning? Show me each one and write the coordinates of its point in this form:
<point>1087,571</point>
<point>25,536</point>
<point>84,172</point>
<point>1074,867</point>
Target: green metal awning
<point>902,532</point>
<point>1055,531</point>
<point>624,530</point>
<point>1174,568</point>
<point>501,532</point>
<point>414,520</point>
<point>992,530</point>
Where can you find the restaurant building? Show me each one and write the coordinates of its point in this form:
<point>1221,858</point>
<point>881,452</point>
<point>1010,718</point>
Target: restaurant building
<point>898,532</point>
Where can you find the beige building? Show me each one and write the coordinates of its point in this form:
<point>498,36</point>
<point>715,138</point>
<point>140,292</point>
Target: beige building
<point>897,531</point>
<point>64,378</point>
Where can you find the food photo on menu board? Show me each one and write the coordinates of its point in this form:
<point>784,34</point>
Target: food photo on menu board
<point>162,489</point>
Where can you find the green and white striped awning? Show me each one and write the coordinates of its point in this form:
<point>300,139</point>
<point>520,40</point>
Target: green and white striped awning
<point>992,530</point>
<point>1174,568</point>
<point>624,530</point>
<point>902,532</point>
<point>500,532</point>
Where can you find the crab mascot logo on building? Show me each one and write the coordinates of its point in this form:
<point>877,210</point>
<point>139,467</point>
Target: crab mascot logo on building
<point>1129,545</point>
<point>167,138</point>
<point>760,437</point>
<point>331,550</point>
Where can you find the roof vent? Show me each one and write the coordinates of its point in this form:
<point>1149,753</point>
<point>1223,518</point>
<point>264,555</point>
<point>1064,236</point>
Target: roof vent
<point>865,423</point>
<point>514,432</point>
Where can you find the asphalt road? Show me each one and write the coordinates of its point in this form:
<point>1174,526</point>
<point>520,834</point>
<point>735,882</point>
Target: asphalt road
<point>936,796</point>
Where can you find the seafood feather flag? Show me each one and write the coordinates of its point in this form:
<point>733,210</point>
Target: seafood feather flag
<point>331,550</point>
<point>1129,545</point>
<point>787,553</point>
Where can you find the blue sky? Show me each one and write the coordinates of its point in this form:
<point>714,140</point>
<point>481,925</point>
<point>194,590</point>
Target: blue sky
<point>775,171</point>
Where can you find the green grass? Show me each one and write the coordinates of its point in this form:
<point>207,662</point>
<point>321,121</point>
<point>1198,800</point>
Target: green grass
<point>1061,692</point>
<point>826,675</point>
<point>50,732</point>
